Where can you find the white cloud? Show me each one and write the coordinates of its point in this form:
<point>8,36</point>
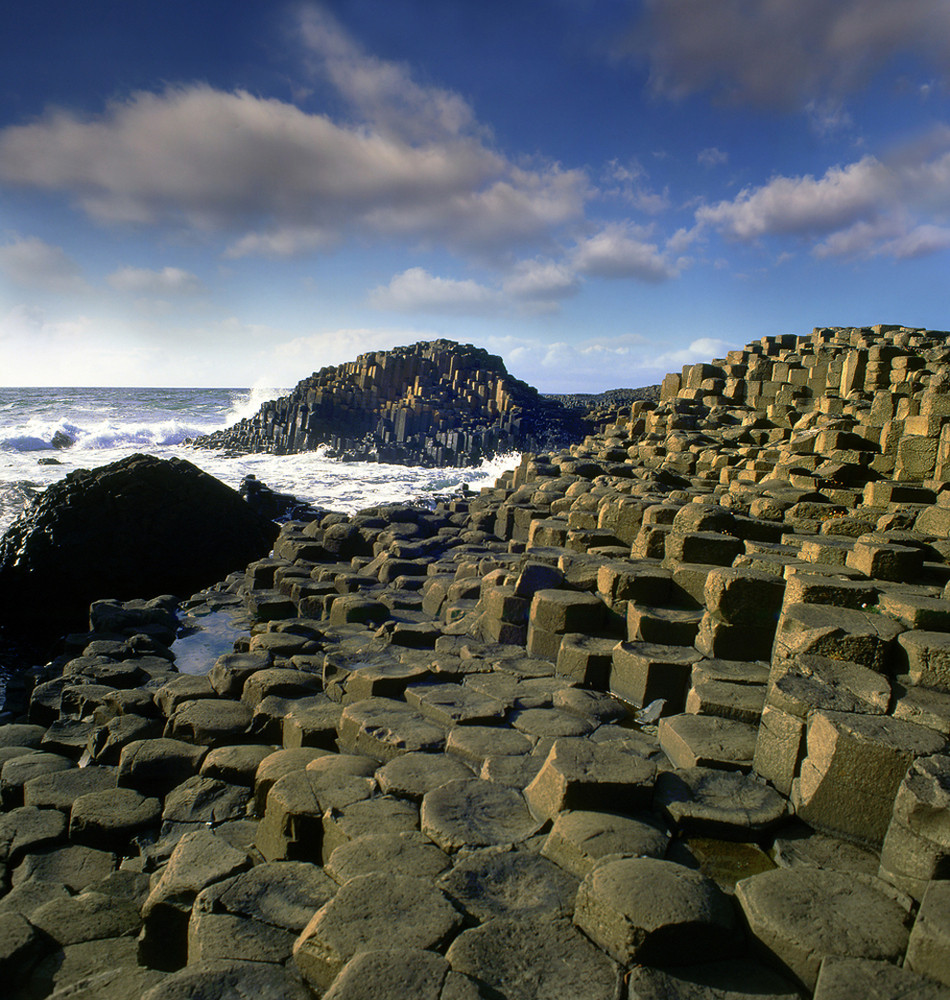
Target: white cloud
<point>531,286</point>
<point>542,281</point>
<point>382,92</point>
<point>418,290</point>
<point>786,52</point>
<point>629,181</point>
<point>698,351</point>
<point>802,204</point>
<point>619,251</point>
<point>894,206</point>
<point>32,263</point>
<point>278,180</point>
<point>167,281</point>
<point>711,157</point>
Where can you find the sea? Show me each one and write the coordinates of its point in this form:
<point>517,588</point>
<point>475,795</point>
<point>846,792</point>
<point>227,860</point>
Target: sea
<point>107,424</point>
<point>104,425</point>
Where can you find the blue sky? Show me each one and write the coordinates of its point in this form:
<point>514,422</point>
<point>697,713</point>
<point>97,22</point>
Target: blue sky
<point>219,193</point>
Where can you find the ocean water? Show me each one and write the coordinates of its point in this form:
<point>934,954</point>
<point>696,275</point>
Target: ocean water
<point>108,424</point>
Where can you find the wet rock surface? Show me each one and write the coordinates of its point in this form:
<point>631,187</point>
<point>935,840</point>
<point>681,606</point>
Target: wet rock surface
<point>662,714</point>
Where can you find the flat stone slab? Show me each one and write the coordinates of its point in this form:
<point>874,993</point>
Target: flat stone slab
<point>28,828</point>
<point>551,723</point>
<point>108,818</point>
<point>74,866</point>
<point>154,767</point>
<point>476,813</point>
<point>311,722</point>
<point>75,962</point>
<point>373,912</point>
<point>845,978</point>
<point>516,692</point>
<point>652,912</point>
<point>393,974</point>
<point>258,914</point>
<point>799,845</point>
<point>59,790</point>
<point>278,763</point>
<point>580,839</point>
<point>518,885</point>
<point>21,734</point>
<point>538,961</point>
<point>205,801</point>
<point>453,704</point>
<point>378,814</point>
<point>235,764</point>
<point>126,983</point>
<point>215,980</point>
<point>707,741</point>
<point>210,722</point>
<point>408,852</point>
<point>384,729</point>
<point>474,744</point>
<point>734,980</point>
<point>16,771</point>
<point>709,802</point>
<point>88,916</point>
<point>413,774</point>
<point>579,774</point>
<point>798,916</point>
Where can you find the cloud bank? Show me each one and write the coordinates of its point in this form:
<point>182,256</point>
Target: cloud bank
<point>279,180</point>
<point>785,53</point>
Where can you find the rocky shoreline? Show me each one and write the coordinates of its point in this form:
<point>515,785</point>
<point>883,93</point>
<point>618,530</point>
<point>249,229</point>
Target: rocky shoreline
<point>432,404</point>
<point>662,714</point>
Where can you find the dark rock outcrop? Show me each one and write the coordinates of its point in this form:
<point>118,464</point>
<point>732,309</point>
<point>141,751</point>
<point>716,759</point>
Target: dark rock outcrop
<point>142,525</point>
<point>435,403</point>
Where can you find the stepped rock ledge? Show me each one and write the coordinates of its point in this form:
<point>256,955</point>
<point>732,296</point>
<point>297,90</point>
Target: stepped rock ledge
<point>435,403</point>
<point>661,714</point>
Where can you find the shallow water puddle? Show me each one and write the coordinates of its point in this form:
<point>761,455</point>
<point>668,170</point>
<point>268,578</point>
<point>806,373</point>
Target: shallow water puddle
<point>205,637</point>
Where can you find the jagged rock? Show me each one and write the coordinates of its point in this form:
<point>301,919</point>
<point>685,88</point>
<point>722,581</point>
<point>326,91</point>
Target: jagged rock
<point>140,526</point>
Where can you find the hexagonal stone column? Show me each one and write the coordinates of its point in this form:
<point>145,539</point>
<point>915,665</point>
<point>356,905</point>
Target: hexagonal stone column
<point>854,766</point>
<point>650,912</point>
<point>476,813</point>
<point>373,912</point>
<point>535,961</point>
<point>928,951</point>
<point>643,672</point>
<point>579,774</point>
<point>916,847</point>
<point>797,916</point>
<point>384,729</point>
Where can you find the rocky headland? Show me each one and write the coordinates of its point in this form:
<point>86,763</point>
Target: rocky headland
<point>435,403</point>
<point>662,714</point>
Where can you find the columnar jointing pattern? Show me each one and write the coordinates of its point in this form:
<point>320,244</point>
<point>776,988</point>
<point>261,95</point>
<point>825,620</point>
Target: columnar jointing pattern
<point>436,404</point>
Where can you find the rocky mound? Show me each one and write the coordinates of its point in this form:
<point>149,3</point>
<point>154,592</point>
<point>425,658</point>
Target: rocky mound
<point>435,403</point>
<point>141,526</point>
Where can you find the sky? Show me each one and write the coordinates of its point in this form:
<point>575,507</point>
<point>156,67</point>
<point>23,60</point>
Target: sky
<point>220,193</point>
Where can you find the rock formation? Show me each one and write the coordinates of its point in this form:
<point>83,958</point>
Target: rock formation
<point>433,404</point>
<point>141,526</point>
<point>662,714</point>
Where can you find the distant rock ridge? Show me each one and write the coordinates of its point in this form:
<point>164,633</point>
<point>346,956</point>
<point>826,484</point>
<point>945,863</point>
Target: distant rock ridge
<point>434,403</point>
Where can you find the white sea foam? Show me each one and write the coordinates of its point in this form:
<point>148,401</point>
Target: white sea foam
<point>248,403</point>
<point>109,424</point>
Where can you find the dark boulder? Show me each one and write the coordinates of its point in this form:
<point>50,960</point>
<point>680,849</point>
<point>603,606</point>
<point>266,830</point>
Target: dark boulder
<point>277,506</point>
<point>139,527</point>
